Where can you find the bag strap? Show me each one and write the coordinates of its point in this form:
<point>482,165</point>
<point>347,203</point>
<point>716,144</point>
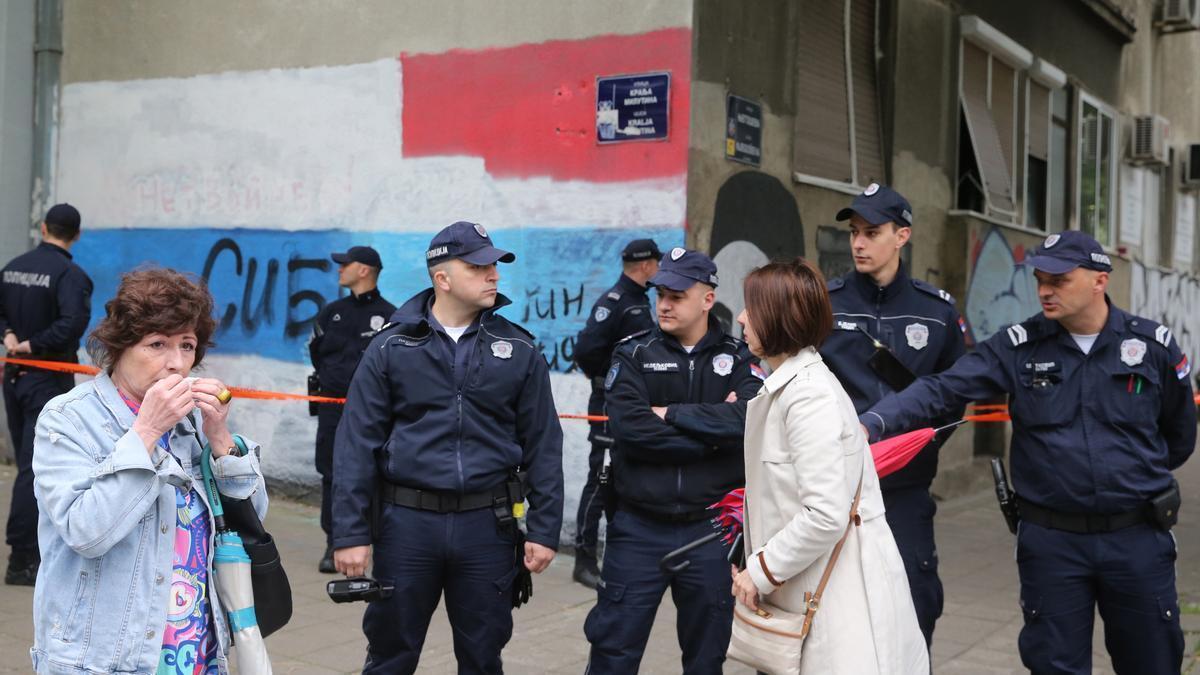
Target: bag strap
<point>812,601</point>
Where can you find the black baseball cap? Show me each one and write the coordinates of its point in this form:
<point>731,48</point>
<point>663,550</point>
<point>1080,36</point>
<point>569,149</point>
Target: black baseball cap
<point>468,242</point>
<point>63,215</point>
<point>359,254</point>
<point>641,249</point>
<point>683,268</point>
<point>1060,253</point>
<point>879,204</point>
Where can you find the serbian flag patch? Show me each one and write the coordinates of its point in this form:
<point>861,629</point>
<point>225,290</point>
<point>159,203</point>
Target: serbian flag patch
<point>758,371</point>
<point>1182,368</point>
<point>962,325</point>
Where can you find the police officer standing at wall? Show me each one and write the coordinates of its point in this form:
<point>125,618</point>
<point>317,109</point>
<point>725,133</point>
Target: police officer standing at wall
<point>620,312</point>
<point>1102,412</point>
<point>341,333</point>
<point>889,327</point>
<point>45,306</point>
<point>449,423</point>
<point>677,400</point>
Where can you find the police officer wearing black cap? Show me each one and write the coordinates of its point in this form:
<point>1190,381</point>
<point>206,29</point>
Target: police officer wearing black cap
<point>676,396</point>
<point>620,312</point>
<point>1102,412</point>
<point>450,425</point>
<point>45,306</point>
<point>889,328</point>
<point>341,333</point>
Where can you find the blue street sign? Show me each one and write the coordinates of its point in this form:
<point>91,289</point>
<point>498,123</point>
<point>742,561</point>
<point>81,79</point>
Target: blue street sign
<point>632,107</point>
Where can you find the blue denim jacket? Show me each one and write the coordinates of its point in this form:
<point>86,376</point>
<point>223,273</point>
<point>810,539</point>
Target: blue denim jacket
<point>106,529</point>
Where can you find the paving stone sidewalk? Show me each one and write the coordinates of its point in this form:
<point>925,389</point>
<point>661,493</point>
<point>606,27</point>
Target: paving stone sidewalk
<point>976,635</point>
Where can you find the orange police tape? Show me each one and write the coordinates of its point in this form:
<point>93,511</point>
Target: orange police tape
<point>993,412</point>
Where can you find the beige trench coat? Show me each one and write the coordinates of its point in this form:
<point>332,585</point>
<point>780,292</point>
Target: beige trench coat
<point>805,452</point>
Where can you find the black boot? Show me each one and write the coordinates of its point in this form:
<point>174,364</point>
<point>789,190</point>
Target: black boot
<point>586,572</point>
<point>326,564</point>
<point>22,568</point>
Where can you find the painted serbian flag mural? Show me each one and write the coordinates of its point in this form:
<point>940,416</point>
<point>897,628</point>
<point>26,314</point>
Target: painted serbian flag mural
<point>251,179</point>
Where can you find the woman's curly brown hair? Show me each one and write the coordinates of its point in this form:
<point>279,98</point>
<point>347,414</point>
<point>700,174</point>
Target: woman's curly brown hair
<point>152,300</point>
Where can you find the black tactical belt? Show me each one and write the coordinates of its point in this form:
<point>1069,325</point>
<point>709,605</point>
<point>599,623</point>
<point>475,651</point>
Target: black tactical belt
<point>685,517</point>
<point>441,502</point>
<point>1080,523</point>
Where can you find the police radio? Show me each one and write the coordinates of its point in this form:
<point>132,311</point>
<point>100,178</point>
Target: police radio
<point>358,588</point>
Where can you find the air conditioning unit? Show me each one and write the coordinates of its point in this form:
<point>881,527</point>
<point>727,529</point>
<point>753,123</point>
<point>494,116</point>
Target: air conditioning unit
<point>1151,141</point>
<point>1191,166</point>
<point>1179,13</point>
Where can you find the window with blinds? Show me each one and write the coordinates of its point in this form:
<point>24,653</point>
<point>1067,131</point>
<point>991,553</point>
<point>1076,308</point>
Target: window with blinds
<point>837,132</point>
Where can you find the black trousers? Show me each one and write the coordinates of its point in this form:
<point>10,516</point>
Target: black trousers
<point>328,416</point>
<point>26,392</point>
<point>910,515</point>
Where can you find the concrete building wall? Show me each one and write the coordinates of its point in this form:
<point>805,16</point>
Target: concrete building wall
<point>245,142</point>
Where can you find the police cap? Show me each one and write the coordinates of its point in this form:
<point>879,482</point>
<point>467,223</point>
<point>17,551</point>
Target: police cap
<point>641,249</point>
<point>683,268</point>
<point>359,254</point>
<point>468,242</point>
<point>879,204</point>
<point>1065,251</point>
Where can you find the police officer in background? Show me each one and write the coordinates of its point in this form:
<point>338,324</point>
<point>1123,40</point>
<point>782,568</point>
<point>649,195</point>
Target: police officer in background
<point>677,398</point>
<point>1102,412</point>
<point>45,306</point>
<point>622,311</point>
<point>889,327</point>
<point>341,333</point>
<point>449,423</point>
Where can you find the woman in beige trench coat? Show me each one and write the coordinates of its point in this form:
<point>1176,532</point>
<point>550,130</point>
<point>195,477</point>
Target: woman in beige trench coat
<point>805,454</point>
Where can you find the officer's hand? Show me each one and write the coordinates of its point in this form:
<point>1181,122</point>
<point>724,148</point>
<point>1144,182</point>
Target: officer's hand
<point>11,342</point>
<point>660,410</point>
<point>23,348</point>
<point>215,414</point>
<point>352,561</point>
<point>537,557</point>
<point>732,397</point>
<point>164,404</point>
<point>744,590</point>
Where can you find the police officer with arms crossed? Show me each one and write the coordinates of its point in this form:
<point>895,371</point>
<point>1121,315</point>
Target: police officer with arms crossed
<point>341,333</point>
<point>876,308</point>
<point>45,306</point>
<point>622,311</point>
<point>1102,412</point>
<point>449,401</point>
<point>677,398</point>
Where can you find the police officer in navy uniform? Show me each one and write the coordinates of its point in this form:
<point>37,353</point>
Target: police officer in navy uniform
<point>1102,412</point>
<point>45,306</point>
<point>449,424</point>
<point>620,312</point>
<point>676,396</point>
<point>341,332</point>
<point>878,307</point>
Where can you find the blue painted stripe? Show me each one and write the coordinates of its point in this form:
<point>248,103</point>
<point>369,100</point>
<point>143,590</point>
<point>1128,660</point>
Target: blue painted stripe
<point>269,284</point>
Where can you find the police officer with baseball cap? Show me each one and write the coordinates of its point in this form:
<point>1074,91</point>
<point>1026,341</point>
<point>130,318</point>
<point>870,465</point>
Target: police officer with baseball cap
<point>620,312</point>
<point>889,328</point>
<point>450,426</point>
<point>45,306</point>
<point>1102,413</point>
<point>341,332</point>
<point>676,396</point>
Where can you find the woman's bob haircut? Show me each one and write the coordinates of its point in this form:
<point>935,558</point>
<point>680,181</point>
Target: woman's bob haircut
<point>788,306</point>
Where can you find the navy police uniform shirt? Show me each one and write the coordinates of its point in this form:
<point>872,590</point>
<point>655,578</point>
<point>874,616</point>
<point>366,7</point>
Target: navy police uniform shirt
<point>622,311</point>
<point>46,298</point>
<point>1095,434</point>
<point>681,465</point>
<point>429,413</point>
<point>341,333</point>
<point>917,322</point>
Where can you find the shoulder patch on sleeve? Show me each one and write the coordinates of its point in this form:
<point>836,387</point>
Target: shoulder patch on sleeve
<point>612,376</point>
<point>936,292</point>
<point>613,295</point>
<point>633,336</point>
<point>1017,334</point>
<point>1151,329</point>
<point>834,284</point>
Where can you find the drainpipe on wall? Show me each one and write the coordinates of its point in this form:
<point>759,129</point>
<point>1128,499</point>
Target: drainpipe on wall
<point>47,62</point>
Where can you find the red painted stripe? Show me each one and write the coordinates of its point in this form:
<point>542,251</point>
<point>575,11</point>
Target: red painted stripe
<point>530,110</point>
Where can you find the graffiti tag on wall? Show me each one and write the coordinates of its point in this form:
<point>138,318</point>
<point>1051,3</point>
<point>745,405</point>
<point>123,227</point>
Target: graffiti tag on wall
<point>1170,298</point>
<point>1001,292</point>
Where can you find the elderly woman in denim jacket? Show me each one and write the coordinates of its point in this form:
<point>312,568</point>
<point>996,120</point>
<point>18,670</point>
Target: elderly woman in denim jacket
<point>125,530</point>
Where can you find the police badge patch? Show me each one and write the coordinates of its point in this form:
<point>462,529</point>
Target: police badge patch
<point>377,322</point>
<point>600,314</point>
<point>480,231</point>
<point>677,253</point>
<point>502,349</point>
<point>1133,351</point>
<point>723,364</point>
<point>917,335</point>
<point>612,376</point>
